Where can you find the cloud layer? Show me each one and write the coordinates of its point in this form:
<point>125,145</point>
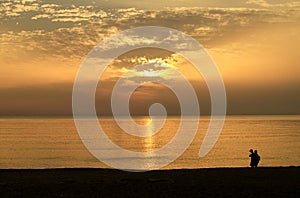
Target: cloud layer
<point>52,29</point>
<point>254,42</point>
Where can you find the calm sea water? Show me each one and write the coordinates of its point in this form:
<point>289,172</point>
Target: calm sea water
<point>55,143</point>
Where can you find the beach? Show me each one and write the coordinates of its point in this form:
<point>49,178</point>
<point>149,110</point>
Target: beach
<point>93,182</point>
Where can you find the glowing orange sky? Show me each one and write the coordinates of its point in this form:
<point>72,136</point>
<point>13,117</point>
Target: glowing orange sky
<point>256,45</point>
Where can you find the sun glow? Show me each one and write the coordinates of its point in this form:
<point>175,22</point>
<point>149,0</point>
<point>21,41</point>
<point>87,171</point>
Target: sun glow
<point>149,73</point>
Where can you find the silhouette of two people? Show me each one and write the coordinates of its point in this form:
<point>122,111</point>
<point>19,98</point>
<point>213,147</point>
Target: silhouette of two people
<point>255,158</point>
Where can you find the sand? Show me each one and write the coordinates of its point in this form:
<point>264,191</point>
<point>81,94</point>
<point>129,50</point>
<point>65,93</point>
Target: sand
<point>219,182</point>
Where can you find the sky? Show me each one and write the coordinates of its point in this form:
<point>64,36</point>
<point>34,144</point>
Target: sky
<point>255,44</point>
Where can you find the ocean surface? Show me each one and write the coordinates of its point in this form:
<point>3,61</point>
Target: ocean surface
<point>29,142</point>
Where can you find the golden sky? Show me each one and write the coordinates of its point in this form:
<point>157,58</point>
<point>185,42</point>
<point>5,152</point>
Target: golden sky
<point>255,44</point>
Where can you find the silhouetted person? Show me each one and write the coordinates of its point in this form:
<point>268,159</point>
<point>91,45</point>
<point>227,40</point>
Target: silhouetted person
<point>254,158</point>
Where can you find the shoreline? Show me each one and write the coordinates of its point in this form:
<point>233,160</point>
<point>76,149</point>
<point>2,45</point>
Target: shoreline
<point>174,169</point>
<point>204,182</point>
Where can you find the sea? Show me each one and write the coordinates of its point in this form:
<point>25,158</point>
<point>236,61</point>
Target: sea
<point>54,142</point>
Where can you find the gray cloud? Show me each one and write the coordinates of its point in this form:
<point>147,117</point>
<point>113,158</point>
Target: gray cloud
<point>56,99</point>
<point>76,29</point>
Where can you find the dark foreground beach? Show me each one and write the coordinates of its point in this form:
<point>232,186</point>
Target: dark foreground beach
<point>219,182</point>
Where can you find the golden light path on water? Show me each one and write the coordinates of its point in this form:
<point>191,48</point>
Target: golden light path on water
<point>149,141</point>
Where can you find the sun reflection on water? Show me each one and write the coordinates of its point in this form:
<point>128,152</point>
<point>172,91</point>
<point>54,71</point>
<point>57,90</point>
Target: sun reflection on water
<point>149,141</point>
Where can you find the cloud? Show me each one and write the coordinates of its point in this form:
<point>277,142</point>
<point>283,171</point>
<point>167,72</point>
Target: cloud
<point>11,8</point>
<point>74,14</point>
<point>74,30</point>
<point>265,4</point>
<point>56,99</point>
<point>55,12</point>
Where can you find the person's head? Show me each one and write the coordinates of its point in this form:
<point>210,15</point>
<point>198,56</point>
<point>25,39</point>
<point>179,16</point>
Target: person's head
<point>255,151</point>
<point>251,150</point>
